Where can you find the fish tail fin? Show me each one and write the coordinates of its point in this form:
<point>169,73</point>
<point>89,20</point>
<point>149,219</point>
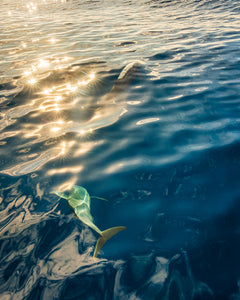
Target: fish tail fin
<point>106,235</point>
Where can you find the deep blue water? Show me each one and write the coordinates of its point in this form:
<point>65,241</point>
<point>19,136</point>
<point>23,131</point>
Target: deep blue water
<point>164,149</point>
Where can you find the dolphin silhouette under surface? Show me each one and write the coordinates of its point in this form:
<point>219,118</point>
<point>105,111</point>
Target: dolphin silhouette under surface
<point>125,78</point>
<point>79,200</point>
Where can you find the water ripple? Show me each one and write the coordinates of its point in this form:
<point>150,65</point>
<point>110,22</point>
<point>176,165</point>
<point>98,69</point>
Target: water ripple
<point>167,140</point>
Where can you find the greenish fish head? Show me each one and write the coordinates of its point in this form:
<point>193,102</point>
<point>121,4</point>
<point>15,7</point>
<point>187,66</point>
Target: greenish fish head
<point>78,196</point>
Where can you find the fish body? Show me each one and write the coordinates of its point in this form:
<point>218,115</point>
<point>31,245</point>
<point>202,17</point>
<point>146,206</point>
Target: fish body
<point>80,201</point>
<point>125,78</point>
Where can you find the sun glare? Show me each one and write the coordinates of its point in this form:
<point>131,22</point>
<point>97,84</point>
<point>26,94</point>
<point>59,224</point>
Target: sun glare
<point>56,107</point>
<point>55,129</point>
<point>52,40</point>
<point>92,76</point>
<point>32,81</point>
<point>58,98</point>
<point>27,73</point>
<point>63,148</point>
<point>43,63</point>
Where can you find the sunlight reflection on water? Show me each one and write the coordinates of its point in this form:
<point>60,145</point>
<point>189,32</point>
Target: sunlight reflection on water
<point>56,85</point>
<point>52,95</point>
<point>163,145</point>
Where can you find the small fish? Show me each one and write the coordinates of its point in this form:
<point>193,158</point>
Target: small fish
<point>79,200</point>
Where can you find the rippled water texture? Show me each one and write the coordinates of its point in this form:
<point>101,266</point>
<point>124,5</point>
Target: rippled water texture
<point>161,144</point>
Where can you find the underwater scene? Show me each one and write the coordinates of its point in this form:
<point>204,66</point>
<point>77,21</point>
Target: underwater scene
<point>120,149</point>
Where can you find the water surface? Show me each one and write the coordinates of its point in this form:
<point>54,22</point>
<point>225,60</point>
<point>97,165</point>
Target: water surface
<point>164,150</point>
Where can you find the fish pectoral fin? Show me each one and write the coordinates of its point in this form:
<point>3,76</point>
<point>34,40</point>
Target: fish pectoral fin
<point>106,235</point>
<point>99,198</point>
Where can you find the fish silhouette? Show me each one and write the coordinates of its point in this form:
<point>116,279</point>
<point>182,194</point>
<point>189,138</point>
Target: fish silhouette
<point>80,200</point>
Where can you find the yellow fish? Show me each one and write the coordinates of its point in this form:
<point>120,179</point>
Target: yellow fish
<point>79,200</point>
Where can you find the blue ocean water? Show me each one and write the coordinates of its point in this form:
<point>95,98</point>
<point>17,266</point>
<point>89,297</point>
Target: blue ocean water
<point>163,149</point>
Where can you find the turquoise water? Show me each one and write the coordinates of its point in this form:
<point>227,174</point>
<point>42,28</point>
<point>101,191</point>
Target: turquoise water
<point>162,148</point>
